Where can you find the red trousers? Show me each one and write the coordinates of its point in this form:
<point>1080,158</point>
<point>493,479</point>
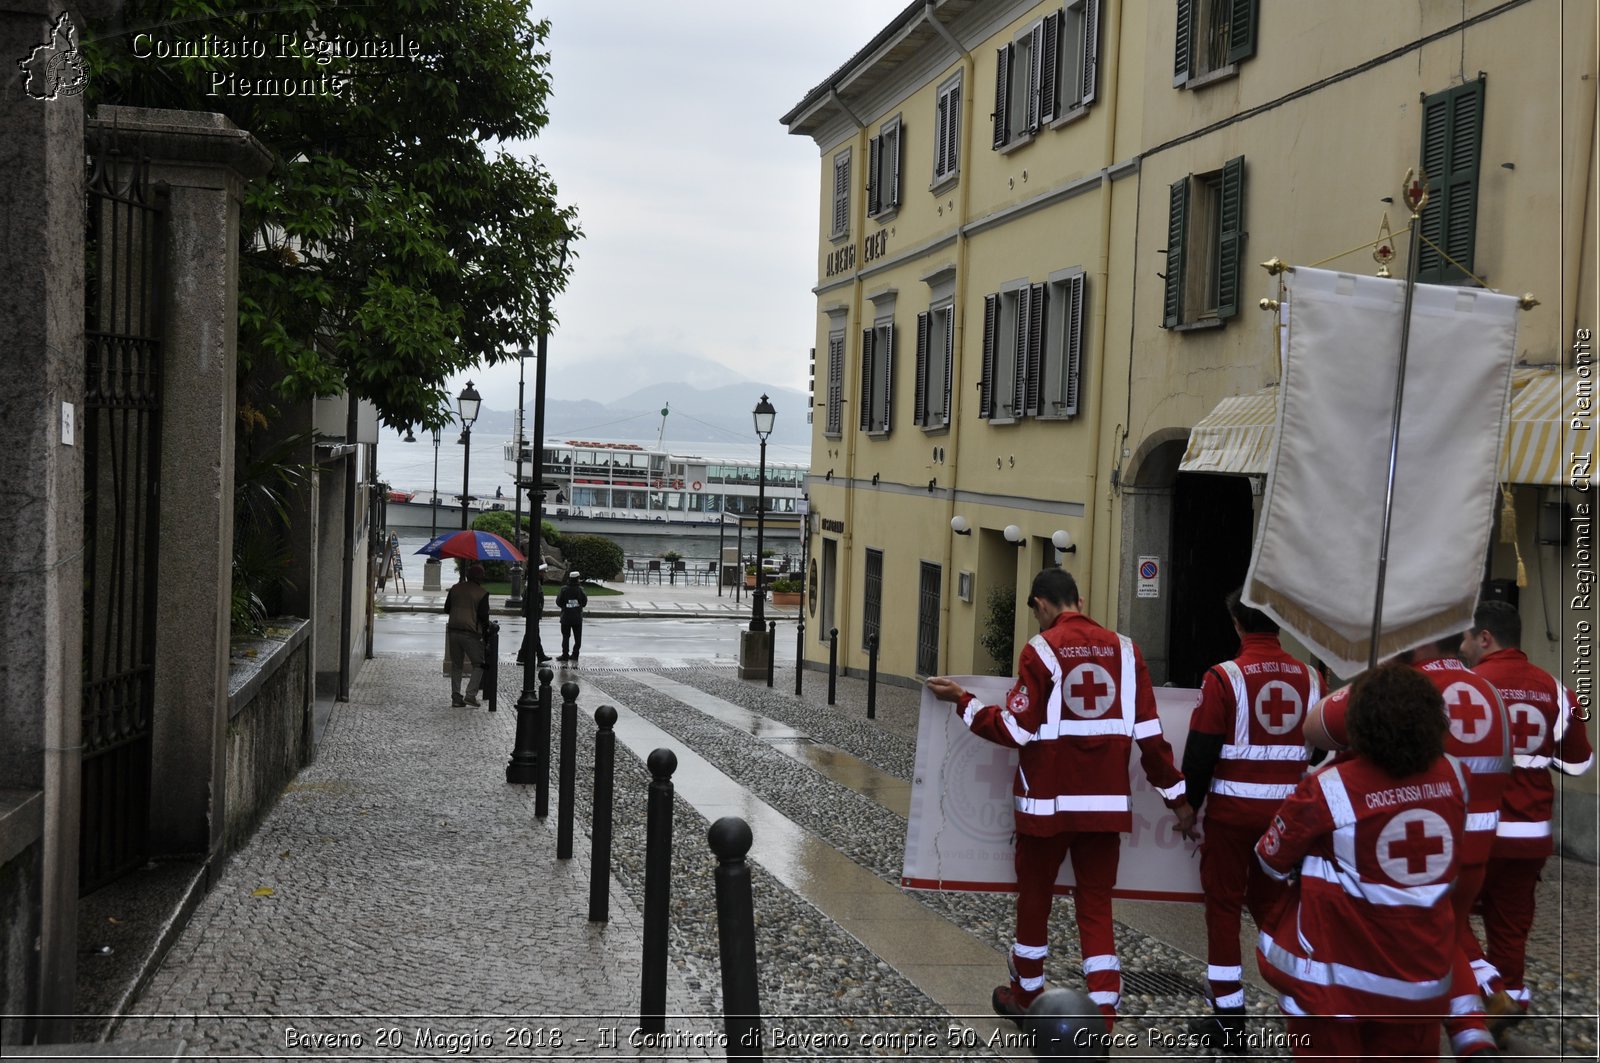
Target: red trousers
<point>1094,867</point>
<point>1469,1034</point>
<point>1508,899</point>
<point>1233,879</point>
<point>1373,1042</point>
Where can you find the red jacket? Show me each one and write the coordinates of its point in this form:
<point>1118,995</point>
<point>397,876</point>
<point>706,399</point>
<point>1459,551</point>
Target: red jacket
<point>1545,734</point>
<point>1479,739</point>
<point>1264,752</point>
<point>1081,700</point>
<point>1370,929</point>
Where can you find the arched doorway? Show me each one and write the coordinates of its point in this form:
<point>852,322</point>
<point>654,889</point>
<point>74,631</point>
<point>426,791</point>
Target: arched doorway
<point>1213,525</point>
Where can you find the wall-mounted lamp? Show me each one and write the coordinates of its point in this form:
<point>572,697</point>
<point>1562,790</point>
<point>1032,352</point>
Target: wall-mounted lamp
<point>959,525</point>
<point>932,484</point>
<point>828,476</point>
<point>1014,536</point>
<point>1063,542</point>
<point>874,479</point>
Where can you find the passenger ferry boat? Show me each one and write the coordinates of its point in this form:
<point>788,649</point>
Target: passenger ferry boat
<point>586,483</point>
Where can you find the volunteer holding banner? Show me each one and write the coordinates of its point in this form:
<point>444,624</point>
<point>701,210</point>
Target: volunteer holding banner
<point>1081,699</point>
<point>1245,753</point>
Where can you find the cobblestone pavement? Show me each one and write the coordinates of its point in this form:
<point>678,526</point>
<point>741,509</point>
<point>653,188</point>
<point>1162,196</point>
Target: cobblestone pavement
<point>400,884</point>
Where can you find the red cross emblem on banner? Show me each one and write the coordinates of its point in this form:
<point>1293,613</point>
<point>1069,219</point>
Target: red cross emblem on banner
<point>1527,728</point>
<point>1278,707</point>
<point>1470,713</point>
<point>1415,847</point>
<point>1088,691</point>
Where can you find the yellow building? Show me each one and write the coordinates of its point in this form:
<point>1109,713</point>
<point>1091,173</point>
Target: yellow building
<point>1037,296</point>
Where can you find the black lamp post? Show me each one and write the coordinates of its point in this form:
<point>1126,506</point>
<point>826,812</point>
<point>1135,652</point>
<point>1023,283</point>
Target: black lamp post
<point>435,504</point>
<point>525,766</point>
<point>467,404</point>
<point>764,416</point>
<point>520,443</point>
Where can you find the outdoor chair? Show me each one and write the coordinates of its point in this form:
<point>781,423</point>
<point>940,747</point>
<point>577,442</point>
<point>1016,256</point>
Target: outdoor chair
<point>709,573</point>
<point>629,573</point>
<point>677,567</point>
<point>653,570</point>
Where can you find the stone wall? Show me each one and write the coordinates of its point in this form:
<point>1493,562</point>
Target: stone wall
<point>269,737</point>
<point>20,911</point>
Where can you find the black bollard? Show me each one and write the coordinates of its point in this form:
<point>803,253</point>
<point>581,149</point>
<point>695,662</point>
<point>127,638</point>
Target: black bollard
<point>657,890</point>
<point>541,744</point>
<point>772,649</point>
<point>833,661</point>
<point>872,676</point>
<point>799,651</point>
<point>524,765</point>
<point>569,770</point>
<point>491,663</point>
<point>736,934</point>
<point>605,760</point>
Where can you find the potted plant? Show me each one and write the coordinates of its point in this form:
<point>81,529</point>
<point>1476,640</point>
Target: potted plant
<point>786,591</point>
<point>750,576</point>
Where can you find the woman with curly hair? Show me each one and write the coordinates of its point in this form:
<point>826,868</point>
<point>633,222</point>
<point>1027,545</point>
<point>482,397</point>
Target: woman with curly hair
<point>1363,946</point>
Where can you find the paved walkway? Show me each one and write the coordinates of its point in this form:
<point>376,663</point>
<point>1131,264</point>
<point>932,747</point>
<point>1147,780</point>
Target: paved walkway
<point>401,892</point>
<point>653,600</point>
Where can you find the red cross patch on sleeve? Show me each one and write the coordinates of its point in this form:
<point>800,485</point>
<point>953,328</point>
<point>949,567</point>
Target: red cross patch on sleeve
<point>1018,701</point>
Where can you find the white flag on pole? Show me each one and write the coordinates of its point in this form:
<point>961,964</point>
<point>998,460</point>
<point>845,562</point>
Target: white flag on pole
<point>1315,562</point>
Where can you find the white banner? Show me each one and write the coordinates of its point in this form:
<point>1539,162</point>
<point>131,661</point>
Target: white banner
<point>958,836</point>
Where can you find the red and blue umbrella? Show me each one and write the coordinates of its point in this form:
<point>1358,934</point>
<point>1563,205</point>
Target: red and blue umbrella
<point>472,545</point>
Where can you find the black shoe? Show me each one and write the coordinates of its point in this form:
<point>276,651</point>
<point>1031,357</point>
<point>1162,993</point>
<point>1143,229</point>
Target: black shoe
<point>1222,1032</point>
<point>563,657</point>
<point>457,702</point>
<point>545,659</point>
<point>1005,1003</point>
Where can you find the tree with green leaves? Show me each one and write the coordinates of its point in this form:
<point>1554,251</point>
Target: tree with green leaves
<point>395,241</point>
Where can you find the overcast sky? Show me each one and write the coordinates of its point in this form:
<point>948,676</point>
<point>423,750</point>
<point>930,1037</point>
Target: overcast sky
<point>699,209</point>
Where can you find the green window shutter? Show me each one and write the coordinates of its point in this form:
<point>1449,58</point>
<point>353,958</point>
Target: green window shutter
<point>1184,44</point>
<point>1242,29</point>
<point>991,318</point>
<point>1049,46</point>
<point>1002,92</point>
<point>1177,219</point>
<point>1230,237</point>
<point>866,380</point>
<point>919,397</point>
<point>1452,144</point>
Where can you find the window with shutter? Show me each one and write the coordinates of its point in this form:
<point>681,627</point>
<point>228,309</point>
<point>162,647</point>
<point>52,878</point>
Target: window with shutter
<point>1038,329</point>
<point>1002,91</point>
<point>1062,345</point>
<point>841,194</point>
<point>1452,133</point>
<point>949,359</point>
<point>1210,38</point>
<point>884,350</point>
<point>834,424</point>
<point>1009,354</point>
<point>1205,247</point>
<point>947,132</point>
<point>883,170</point>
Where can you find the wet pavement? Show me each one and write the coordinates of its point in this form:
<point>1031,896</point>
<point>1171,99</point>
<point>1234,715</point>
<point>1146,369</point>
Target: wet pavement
<point>401,892</point>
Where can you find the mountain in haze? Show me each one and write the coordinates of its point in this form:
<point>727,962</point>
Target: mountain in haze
<point>719,414</point>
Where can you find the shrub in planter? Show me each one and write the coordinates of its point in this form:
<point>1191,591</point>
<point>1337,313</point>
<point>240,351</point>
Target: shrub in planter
<point>595,556</point>
<point>786,586</point>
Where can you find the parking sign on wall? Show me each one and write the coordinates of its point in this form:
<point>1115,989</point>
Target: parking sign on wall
<point>1149,577</point>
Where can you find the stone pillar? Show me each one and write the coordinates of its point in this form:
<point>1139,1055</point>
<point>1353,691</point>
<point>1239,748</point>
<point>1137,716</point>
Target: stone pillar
<point>41,510</point>
<point>205,161</point>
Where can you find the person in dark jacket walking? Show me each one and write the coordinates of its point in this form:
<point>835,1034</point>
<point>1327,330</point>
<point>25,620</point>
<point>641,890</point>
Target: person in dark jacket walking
<point>570,600</point>
<point>467,604</point>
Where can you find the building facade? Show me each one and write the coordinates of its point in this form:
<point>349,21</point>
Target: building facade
<point>1039,318</point>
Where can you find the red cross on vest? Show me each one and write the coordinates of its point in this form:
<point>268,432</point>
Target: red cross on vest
<point>1527,728</point>
<point>1089,690</point>
<point>1469,712</point>
<point>1278,707</point>
<point>1416,847</point>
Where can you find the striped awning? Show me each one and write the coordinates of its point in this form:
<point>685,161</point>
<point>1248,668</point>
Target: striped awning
<point>1236,437</point>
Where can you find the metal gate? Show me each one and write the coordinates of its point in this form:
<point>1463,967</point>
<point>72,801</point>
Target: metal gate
<point>121,440</point>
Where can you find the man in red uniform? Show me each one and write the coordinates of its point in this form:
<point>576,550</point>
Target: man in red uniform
<point>1247,751</point>
<point>1547,731</point>
<point>1364,947</point>
<point>1479,737</point>
<point>1081,699</point>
